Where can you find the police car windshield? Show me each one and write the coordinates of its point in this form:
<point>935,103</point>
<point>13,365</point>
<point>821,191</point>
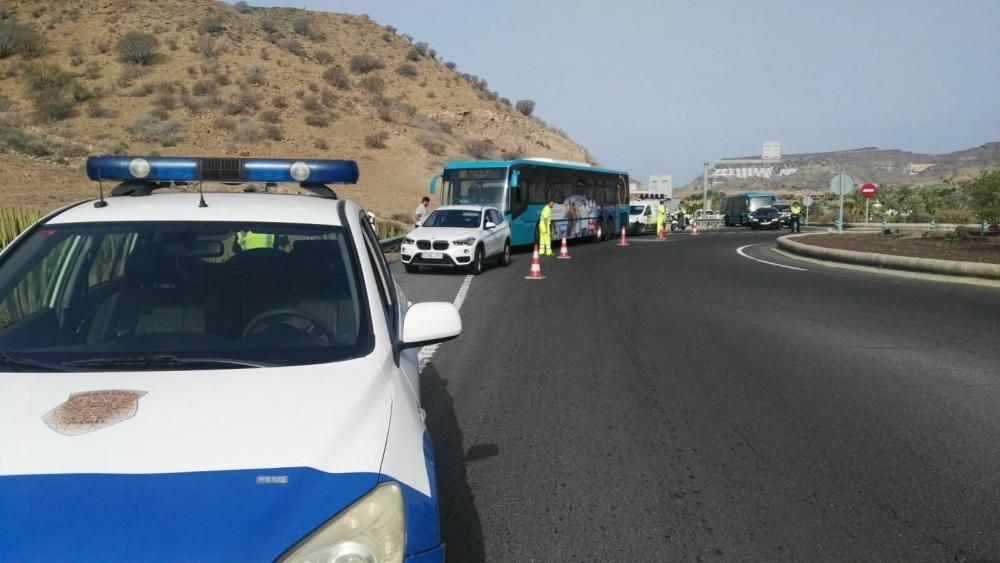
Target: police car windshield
<point>468,219</point>
<point>202,295</point>
<point>635,210</point>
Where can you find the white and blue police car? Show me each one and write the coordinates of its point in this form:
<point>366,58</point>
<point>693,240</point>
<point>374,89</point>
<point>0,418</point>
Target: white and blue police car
<point>208,376</point>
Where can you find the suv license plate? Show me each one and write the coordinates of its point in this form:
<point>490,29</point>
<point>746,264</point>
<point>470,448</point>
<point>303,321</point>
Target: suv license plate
<point>432,255</point>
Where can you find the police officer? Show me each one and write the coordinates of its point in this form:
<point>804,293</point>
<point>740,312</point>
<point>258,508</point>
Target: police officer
<point>796,212</point>
<point>545,231</point>
<point>661,217</point>
<point>249,240</point>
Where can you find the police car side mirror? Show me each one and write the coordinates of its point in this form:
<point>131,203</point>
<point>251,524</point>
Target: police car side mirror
<point>430,323</point>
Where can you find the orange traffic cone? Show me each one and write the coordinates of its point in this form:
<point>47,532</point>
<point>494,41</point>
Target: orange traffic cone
<point>536,267</point>
<point>564,251</point>
<point>623,241</point>
<point>661,235</point>
<point>694,229</point>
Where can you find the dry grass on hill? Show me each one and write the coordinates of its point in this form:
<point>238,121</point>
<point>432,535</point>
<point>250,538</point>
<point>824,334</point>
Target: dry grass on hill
<point>208,78</point>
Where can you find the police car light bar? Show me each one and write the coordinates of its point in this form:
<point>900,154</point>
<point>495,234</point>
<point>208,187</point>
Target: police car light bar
<point>229,170</point>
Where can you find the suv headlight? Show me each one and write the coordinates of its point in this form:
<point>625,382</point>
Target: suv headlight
<point>408,240</point>
<point>464,241</point>
<point>369,531</point>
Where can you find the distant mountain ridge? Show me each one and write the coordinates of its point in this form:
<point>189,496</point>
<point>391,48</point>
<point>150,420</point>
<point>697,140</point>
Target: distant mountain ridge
<point>813,171</point>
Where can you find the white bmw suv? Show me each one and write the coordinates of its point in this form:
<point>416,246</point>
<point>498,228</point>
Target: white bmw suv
<point>458,236</point>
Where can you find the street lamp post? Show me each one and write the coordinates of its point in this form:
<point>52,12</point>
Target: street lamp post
<point>704,187</point>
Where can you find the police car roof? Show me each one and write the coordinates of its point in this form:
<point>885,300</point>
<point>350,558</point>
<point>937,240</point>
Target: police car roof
<point>261,207</point>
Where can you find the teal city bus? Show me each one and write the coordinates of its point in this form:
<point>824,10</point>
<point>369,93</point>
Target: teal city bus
<point>587,201</point>
<point>736,209</point>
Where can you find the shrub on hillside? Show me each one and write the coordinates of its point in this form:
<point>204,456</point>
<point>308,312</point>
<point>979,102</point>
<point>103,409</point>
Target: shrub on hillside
<point>373,84</point>
<point>377,140</point>
<point>303,26</point>
<point>317,120</point>
<point>165,100</point>
<point>92,70</point>
<point>280,102</point>
<point>151,129</point>
<point>242,7</point>
<point>527,107</point>
<point>366,63</point>
<point>129,73</point>
<point>205,45</point>
<point>257,75</point>
<point>320,144</point>
<point>211,25</point>
<point>431,143</point>
<point>293,47</point>
<point>310,103</point>
<point>248,131</point>
<point>328,98</point>
<point>267,25</point>
<point>273,132</point>
<point>21,40</point>
<point>450,65</point>
<point>413,54</point>
<point>137,48</point>
<point>407,70</point>
<point>336,77</point>
<point>270,116</point>
<point>479,150</point>
<point>204,87</point>
<point>322,57</point>
<point>421,48</point>
<point>224,123</point>
<point>53,91</point>
<point>97,111</point>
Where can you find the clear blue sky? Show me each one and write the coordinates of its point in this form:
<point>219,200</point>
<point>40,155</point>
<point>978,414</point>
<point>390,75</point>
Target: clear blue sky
<point>659,86</point>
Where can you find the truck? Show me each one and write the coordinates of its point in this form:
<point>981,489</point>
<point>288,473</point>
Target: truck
<point>736,209</point>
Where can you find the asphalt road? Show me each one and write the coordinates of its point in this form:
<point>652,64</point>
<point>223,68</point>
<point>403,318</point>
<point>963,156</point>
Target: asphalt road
<point>676,401</point>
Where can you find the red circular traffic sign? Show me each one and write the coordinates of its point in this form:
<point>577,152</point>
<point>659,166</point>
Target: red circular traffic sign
<point>868,190</point>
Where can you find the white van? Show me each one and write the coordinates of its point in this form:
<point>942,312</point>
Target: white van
<point>642,216</point>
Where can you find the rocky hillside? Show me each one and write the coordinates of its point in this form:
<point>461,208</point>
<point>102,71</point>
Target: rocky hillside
<point>178,77</point>
<point>813,171</point>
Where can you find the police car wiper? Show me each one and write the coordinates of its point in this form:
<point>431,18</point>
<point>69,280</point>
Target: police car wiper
<point>27,364</point>
<point>163,361</point>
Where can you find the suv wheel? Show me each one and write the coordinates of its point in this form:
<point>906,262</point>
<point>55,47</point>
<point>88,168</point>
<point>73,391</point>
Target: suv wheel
<point>505,256</point>
<point>477,262</point>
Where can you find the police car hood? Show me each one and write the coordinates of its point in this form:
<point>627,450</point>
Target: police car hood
<point>210,465</point>
<point>443,233</point>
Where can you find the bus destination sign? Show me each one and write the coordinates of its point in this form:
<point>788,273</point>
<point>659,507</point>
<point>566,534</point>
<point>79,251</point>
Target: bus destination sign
<point>476,174</point>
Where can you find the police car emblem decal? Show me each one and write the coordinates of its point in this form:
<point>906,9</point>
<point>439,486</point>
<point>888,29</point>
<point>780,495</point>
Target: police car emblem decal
<point>92,410</point>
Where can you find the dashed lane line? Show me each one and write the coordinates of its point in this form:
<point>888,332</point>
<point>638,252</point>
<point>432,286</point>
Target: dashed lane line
<point>745,255</point>
<point>427,352</point>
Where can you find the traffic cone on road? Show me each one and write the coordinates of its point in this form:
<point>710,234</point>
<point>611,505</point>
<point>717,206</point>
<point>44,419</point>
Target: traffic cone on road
<point>564,251</point>
<point>623,241</point>
<point>662,234</point>
<point>536,267</point>
<point>694,229</point>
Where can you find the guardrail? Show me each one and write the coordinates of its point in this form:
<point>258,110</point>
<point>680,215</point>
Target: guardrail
<point>391,243</point>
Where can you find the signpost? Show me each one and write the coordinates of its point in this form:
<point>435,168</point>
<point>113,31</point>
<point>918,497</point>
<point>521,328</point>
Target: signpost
<point>868,192</point>
<point>841,184</point>
<point>807,201</point>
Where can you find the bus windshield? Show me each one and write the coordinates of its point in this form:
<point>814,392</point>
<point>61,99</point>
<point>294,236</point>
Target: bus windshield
<point>488,193</point>
<point>756,202</point>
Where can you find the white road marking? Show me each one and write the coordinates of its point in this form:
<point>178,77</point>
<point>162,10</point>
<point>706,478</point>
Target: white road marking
<point>745,255</point>
<point>650,240</point>
<point>427,352</point>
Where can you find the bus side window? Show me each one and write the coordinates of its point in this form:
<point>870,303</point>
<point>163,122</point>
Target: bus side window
<point>518,199</point>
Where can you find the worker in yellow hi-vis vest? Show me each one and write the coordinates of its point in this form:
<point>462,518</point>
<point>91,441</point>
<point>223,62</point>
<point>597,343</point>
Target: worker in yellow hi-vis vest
<point>545,231</point>
<point>249,240</point>
<point>661,218</point>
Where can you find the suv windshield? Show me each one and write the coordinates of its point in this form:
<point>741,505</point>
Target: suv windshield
<point>180,295</point>
<point>453,218</point>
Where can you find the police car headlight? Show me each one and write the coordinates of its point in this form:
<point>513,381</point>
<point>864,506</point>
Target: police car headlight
<point>464,241</point>
<point>370,531</point>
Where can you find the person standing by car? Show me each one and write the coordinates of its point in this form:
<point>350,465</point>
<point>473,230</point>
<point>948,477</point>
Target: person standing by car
<point>796,212</point>
<point>661,218</point>
<point>422,209</point>
<point>545,231</point>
